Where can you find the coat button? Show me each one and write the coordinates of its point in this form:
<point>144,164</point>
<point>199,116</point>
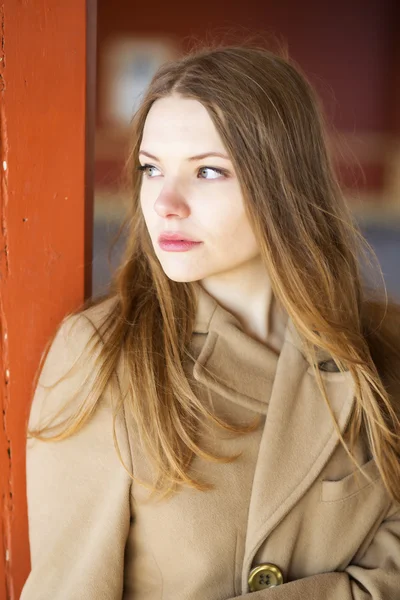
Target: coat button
<point>264,576</point>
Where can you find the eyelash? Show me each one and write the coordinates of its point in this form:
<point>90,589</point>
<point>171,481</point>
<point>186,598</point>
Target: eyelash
<point>146,166</point>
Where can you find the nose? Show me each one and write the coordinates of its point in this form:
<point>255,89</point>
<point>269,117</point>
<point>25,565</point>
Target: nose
<point>171,203</point>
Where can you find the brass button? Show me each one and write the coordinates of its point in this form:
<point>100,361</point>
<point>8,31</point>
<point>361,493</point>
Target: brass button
<point>264,576</point>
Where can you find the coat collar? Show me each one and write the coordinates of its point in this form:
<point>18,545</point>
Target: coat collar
<point>212,318</point>
<point>299,434</point>
<point>232,363</point>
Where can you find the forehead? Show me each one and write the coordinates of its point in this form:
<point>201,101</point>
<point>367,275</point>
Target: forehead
<point>180,122</point>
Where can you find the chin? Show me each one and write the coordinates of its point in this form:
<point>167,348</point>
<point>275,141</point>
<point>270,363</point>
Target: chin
<point>183,275</point>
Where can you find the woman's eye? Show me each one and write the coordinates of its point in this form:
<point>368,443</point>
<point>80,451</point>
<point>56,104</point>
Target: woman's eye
<point>149,170</point>
<point>203,173</point>
<point>210,173</point>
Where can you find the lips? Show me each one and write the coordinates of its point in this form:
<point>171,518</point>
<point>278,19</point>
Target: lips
<point>174,241</point>
<point>175,236</point>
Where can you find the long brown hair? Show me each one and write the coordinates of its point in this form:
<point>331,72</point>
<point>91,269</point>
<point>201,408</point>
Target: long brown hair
<point>272,126</point>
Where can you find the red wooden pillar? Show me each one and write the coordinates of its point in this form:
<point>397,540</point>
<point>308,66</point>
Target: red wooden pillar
<point>47,70</point>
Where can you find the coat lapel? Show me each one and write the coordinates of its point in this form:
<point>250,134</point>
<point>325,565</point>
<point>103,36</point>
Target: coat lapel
<point>299,436</point>
<point>298,439</point>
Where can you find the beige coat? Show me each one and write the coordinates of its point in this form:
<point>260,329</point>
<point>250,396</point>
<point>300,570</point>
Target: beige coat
<point>292,499</point>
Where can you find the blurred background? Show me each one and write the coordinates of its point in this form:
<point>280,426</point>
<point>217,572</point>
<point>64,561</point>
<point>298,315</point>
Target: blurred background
<point>350,51</point>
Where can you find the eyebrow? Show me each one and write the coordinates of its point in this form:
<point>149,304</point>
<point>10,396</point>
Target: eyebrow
<point>197,157</point>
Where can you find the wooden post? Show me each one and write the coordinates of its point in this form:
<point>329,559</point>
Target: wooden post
<point>47,70</point>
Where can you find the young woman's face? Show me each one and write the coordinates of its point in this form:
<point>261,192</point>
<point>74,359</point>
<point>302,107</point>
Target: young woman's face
<point>189,190</point>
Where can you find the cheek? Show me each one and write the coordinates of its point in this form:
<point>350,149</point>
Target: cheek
<point>142,201</point>
<point>218,210</point>
<point>146,205</point>
<point>241,241</point>
<point>231,227</point>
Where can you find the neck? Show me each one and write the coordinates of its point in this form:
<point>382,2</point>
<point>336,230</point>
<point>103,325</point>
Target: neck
<point>248,296</point>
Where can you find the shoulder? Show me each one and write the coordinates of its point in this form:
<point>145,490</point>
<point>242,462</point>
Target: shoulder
<point>91,447</point>
<point>88,319</point>
<point>99,311</point>
<point>77,336</point>
<point>70,367</point>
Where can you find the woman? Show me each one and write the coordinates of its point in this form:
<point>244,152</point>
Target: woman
<point>225,423</point>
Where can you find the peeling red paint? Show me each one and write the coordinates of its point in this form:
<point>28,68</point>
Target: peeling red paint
<point>6,450</point>
<point>4,182</point>
<point>4,149</point>
<point>6,453</point>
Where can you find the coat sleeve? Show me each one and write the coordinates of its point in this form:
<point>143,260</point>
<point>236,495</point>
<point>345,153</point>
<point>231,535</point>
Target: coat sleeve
<point>78,491</point>
<point>374,576</point>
